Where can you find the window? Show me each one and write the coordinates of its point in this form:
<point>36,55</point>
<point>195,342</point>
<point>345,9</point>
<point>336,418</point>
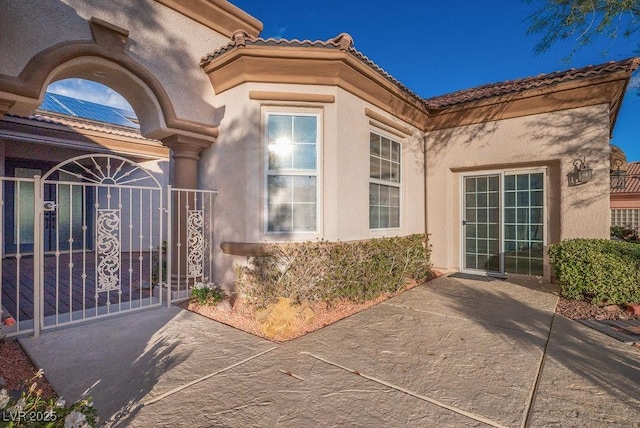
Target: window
<point>384,182</point>
<point>626,217</point>
<point>292,145</point>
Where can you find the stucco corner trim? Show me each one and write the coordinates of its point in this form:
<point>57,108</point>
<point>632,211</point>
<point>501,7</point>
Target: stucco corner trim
<point>108,35</point>
<point>405,131</point>
<point>291,96</point>
<point>218,15</point>
<point>245,249</point>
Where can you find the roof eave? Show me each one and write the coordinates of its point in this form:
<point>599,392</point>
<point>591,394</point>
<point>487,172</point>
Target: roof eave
<point>603,89</point>
<point>313,65</point>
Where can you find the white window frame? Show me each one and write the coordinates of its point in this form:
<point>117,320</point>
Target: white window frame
<point>631,218</point>
<point>387,183</point>
<point>291,111</point>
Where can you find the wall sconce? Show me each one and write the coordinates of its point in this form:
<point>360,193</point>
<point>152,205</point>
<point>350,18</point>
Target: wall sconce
<point>618,176</point>
<point>581,173</point>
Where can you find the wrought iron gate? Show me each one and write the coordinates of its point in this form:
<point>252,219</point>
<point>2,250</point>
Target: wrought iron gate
<point>95,236</point>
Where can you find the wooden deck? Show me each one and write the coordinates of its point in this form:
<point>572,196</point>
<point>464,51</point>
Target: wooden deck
<point>69,284</point>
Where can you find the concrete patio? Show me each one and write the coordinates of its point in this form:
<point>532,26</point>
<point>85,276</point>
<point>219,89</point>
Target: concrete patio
<point>456,351</point>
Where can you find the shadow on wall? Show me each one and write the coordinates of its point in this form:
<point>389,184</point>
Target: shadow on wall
<point>565,135</point>
<point>511,311</point>
<point>169,51</point>
<point>580,134</point>
<point>415,145</point>
<point>163,54</point>
<point>467,135</point>
<point>232,165</point>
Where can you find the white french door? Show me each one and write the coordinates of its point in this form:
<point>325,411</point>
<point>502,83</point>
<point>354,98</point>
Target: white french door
<point>503,223</point>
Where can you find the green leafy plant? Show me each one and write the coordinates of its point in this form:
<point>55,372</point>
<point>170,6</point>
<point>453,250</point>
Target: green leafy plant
<point>597,270</point>
<point>326,271</point>
<point>31,410</point>
<point>624,233</point>
<point>159,270</point>
<point>206,293</point>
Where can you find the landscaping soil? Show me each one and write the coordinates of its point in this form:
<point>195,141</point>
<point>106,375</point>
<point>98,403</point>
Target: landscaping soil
<point>579,310</point>
<point>241,315</point>
<point>16,369</point>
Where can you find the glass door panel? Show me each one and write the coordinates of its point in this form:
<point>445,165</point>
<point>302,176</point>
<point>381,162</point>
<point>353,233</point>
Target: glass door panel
<point>524,223</point>
<point>70,207</point>
<point>62,227</point>
<point>481,223</point>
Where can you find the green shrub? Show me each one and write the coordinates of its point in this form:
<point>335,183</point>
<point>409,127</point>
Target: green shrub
<point>207,294</point>
<point>625,233</point>
<point>598,271</point>
<point>321,270</point>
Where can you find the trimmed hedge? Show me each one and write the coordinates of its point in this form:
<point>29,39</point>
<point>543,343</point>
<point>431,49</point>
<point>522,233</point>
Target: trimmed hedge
<point>325,271</point>
<point>597,270</point>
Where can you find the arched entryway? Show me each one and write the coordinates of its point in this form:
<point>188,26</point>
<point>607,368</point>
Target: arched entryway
<point>75,202</point>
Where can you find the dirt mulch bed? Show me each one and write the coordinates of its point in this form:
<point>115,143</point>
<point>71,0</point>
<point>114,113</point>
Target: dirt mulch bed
<point>241,314</point>
<point>579,310</point>
<point>16,368</point>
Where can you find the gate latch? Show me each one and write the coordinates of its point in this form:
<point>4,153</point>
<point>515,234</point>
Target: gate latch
<point>49,205</point>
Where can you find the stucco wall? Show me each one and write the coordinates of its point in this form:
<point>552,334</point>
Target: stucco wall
<point>235,165</point>
<point>165,42</point>
<point>349,218</point>
<point>551,141</point>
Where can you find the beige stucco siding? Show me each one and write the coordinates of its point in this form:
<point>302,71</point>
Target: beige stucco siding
<point>349,219</point>
<point>165,42</point>
<point>235,165</point>
<point>551,141</point>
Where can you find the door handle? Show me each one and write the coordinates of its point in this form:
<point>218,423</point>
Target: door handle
<point>464,222</point>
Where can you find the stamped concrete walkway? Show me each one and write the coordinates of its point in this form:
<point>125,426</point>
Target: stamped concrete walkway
<point>454,352</point>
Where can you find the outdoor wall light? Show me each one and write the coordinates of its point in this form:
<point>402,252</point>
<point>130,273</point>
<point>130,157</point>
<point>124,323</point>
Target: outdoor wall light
<point>581,173</point>
<point>618,175</point>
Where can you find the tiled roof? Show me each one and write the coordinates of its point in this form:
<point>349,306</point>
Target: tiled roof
<point>539,81</point>
<point>345,42</point>
<point>89,125</point>
<point>340,42</point>
<point>632,181</point>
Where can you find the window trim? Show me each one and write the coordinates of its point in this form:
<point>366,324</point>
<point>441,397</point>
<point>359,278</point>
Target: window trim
<point>266,172</point>
<point>387,183</point>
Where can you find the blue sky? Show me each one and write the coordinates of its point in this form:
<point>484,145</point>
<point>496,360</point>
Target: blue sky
<point>436,47</point>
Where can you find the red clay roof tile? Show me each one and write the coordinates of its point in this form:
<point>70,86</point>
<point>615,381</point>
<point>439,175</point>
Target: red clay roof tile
<point>632,181</point>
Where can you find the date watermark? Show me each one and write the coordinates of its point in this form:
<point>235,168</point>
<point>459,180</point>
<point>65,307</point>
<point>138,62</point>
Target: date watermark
<point>29,416</point>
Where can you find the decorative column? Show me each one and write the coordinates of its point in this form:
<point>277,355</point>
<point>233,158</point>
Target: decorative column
<point>185,156</point>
